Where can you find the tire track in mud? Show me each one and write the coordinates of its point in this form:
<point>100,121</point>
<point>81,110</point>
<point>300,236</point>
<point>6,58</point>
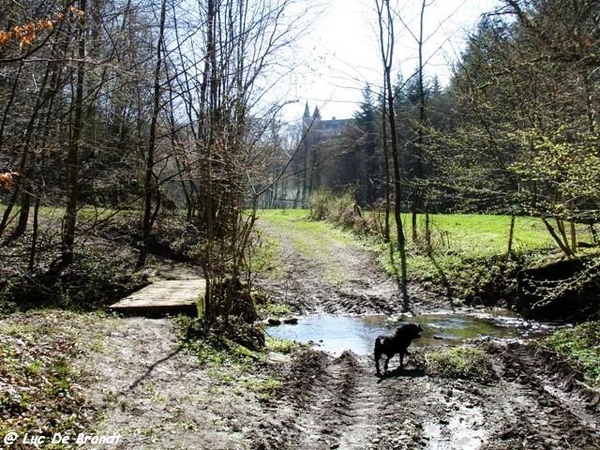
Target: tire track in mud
<point>345,408</point>
<point>340,403</point>
<point>513,411</point>
<point>545,418</point>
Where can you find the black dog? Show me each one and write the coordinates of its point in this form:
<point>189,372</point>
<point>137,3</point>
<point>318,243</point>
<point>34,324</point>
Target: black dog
<point>396,344</point>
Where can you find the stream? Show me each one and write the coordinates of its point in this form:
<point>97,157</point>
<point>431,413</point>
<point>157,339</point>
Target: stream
<point>336,333</point>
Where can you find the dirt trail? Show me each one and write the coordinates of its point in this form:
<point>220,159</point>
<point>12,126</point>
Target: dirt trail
<point>150,391</point>
<point>332,274</point>
<point>329,403</point>
<point>344,411</point>
<point>338,403</point>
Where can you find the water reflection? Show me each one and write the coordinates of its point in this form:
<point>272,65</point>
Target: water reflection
<point>357,333</point>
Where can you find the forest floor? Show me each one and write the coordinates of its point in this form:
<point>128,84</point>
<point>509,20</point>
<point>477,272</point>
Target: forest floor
<point>139,382</point>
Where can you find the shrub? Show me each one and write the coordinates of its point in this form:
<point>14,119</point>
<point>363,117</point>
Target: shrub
<point>337,209</point>
<point>319,204</point>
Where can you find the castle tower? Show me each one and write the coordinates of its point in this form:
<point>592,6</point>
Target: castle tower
<point>317,114</point>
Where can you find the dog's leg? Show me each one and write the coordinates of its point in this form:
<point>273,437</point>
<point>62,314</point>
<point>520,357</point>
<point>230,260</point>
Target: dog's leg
<point>377,357</point>
<point>385,364</point>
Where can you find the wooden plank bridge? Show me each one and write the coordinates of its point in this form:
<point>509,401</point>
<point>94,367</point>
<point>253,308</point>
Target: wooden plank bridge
<point>162,298</point>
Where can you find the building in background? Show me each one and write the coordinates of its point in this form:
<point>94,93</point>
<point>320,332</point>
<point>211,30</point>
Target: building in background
<point>320,129</point>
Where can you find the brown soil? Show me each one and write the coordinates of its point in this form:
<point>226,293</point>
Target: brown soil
<point>157,395</point>
<point>338,402</point>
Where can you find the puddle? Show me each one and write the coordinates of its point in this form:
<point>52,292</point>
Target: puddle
<point>463,430</point>
<point>335,334</point>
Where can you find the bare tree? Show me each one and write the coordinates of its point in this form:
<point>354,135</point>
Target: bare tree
<point>219,74</point>
<point>150,185</point>
<point>387,42</point>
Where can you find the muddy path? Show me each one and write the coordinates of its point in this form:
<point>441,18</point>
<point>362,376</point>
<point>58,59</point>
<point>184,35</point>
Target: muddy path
<point>324,270</point>
<point>142,384</point>
<point>332,402</point>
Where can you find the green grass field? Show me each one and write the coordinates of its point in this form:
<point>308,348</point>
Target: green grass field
<point>471,250</point>
<point>481,235</point>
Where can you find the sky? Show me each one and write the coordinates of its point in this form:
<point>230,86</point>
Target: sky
<point>339,51</point>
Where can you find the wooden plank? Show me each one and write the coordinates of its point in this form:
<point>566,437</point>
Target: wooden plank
<point>165,297</point>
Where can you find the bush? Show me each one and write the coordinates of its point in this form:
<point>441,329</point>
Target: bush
<point>325,205</point>
<point>319,204</point>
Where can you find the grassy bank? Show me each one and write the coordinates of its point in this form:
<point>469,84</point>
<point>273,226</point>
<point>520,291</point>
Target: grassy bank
<point>579,347</point>
<point>467,258</point>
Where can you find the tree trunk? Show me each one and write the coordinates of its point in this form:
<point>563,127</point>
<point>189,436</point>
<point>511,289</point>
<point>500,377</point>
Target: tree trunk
<point>511,234</point>
<point>34,235</point>
<point>149,183</point>
<point>386,161</point>
<point>70,218</point>
<point>417,186</point>
<point>387,50</point>
<point>211,89</point>
<point>563,246</point>
<point>24,212</point>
